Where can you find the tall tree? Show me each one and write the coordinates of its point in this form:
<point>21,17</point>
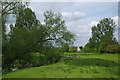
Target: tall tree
<point>20,37</point>
<point>102,33</point>
<point>57,30</point>
<point>29,35</point>
<point>7,9</point>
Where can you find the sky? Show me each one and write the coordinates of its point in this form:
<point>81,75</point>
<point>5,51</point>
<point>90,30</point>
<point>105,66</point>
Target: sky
<point>79,16</point>
<point>72,0</point>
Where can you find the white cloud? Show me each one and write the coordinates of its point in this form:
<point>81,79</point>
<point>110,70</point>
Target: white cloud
<point>115,19</point>
<point>77,35</point>
<point>93,23</point>
<point>7,28</point>
<point>71,16</point>
<point>75,16</point>
<point>42,22</point>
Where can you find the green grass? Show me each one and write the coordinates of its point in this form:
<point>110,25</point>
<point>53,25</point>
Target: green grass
<point>86,66</point>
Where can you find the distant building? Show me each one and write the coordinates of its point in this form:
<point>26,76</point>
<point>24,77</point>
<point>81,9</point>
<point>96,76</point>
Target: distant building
<point>78,49</point>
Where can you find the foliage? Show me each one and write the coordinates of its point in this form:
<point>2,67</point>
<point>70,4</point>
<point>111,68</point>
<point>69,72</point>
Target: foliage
<point>72,49</point>
<point>102,36</point>
<point>8,9</point>
<point>28,35</point>
<point>11,7</point>
<point>81,47</point>
<point>58,33</point>
<point>112,48</point>
<point>90,47</point>
<point>20,38</point>
<point>86,66</point>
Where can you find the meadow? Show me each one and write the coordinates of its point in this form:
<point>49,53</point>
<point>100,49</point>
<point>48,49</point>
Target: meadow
<point>81,65</point>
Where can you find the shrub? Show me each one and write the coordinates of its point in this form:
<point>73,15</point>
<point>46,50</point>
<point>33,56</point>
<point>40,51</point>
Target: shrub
<point>112,48</point>
<point>72,49</point>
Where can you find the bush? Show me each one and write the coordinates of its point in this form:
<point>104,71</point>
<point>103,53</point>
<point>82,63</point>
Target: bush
<point>72,49</point>
<point>88,50</point>
<point>112,48</point>
<point>102,47</point>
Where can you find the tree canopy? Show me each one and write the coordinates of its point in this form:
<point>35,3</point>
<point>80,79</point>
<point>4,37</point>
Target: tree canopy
<point>102,36</point>
<point>28,35</point>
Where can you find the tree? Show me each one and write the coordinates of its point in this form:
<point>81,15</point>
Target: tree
<point>21,36</point>
<point>29,35</point>
<point>58,37</point>
<point>56,29</point>
<point>90,46</point>
<point>81,47</point>
<point>11,7</point>
<point>102,35</point>
<point>72,49</point>
<point>7,9</point>
<point>106,40</point>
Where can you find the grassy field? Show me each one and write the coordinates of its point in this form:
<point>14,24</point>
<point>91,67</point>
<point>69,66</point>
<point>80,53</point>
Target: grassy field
<point>84,66</point>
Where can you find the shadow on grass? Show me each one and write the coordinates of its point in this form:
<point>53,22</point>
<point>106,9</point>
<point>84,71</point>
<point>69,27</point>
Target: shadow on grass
<point>91,61</point>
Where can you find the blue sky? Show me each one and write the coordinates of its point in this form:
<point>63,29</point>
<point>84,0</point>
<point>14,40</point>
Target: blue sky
<point>79,16</point>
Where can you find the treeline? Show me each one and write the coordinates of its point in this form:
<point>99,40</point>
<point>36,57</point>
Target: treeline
<point>103,39</point>
<point>75,49</point>
<point>28,37</point>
